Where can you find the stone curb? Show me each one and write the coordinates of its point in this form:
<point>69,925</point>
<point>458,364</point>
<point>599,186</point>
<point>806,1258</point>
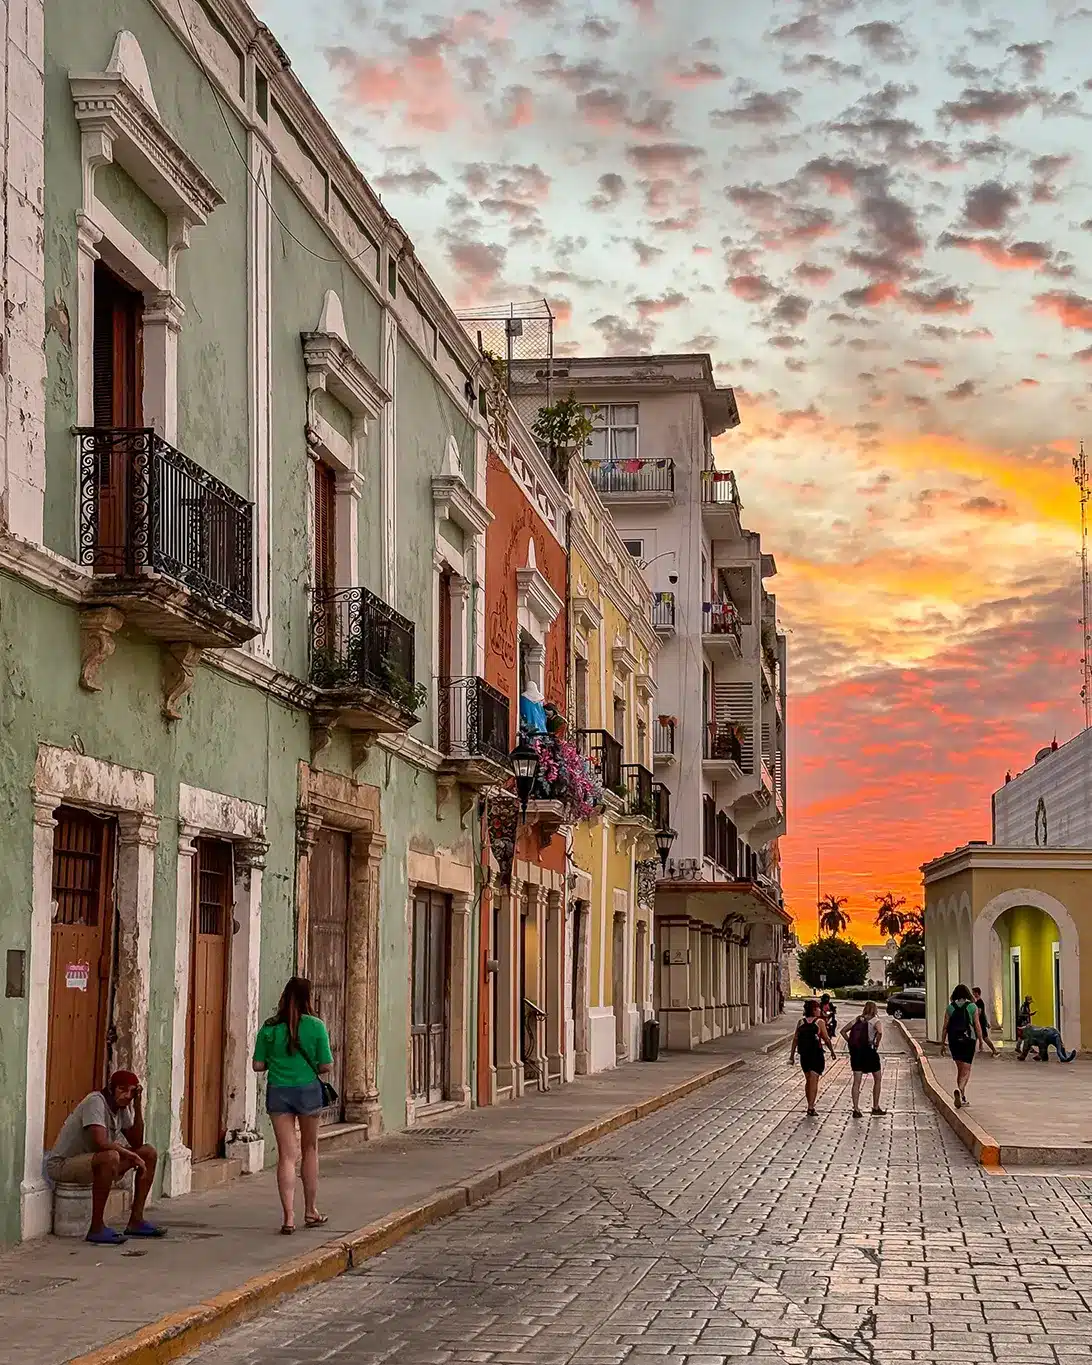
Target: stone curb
<point>983,1146</point>
<point>179,1334</point>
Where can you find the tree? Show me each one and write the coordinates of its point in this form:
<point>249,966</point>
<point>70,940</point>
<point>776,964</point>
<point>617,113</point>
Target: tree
<point>832,917</point>
<point>836,959</point>
<point>913,922</point>
<point>889,914</point>
<point>907,967</point>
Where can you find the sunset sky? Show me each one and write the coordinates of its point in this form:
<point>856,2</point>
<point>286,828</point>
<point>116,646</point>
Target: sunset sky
<point>878,218</point>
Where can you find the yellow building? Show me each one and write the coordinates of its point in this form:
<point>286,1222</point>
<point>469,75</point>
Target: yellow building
<point>612,664</point>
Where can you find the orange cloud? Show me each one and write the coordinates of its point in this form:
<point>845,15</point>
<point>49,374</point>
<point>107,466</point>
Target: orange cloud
<point>1073,311</point>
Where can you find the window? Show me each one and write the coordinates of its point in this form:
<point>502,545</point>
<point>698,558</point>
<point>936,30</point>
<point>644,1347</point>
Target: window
<point>620,722</point>
<point>635,547</point>
<point>615,434</point>
<point>581,685</point>
<point>325,529</point>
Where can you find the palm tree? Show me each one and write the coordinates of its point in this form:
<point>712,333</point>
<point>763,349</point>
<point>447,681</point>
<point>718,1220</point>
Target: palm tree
<point>889,914</point>
<point>832,917</point>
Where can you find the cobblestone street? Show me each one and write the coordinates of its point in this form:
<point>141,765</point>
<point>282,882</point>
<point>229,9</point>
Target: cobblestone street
<point>728,1227</point>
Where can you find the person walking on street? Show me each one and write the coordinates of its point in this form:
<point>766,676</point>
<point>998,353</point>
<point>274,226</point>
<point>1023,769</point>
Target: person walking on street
<point>829,1015</point>
<point>863,1037</point>
<point>810,1038</point>
<point>962,1032</point>
<point>983,1023</point>
<point>1024,1017</point>
<point>293,1047</point>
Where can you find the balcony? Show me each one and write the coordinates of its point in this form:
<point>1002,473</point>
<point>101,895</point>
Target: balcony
<point>647,482</point>
<point>473,731</point>
<point>663,613</point>
<point>720,504</point>
<point>170,545</point>
<point>664,739</point>
<point>604,753</point>
<point>722,753</point>
<point>639,801</point>
<point>721,628</point>
<point>661,806</point>
<point>362,664</point>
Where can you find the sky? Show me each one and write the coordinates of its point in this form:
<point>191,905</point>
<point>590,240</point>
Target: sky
<point>877,218</point>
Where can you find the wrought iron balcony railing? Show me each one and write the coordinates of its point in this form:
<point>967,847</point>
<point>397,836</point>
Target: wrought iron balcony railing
<point>719,488</point>
<point>661,806</point>
<point>604,753</point>
<point>721,618</point>
<point>358,641</point>
<point>638,781</point>
<point>145,506</point>
<point>625,478</point>
<point>722,744</point>
<point>663,740</point>
<point>663,610</point>
<point>472,719</point>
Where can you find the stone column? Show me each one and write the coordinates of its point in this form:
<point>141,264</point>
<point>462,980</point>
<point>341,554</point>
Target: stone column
<point>138,836</point>
<point>307,828</point>
<point>35,1196</point>
<point>720,985</point>
<point>707,989</point>
<point>178,1166</point>
<point>163,315</point>
<point>556,995</point>
<point>506,1024</point>
<point>361,1083</point>
<point>581,934</point>
<point>244,1142</point>
<point>460,1019</point>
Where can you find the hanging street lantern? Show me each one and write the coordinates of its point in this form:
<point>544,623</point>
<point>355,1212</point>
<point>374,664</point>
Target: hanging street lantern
<point>664,839</point>
<point>524,763</point>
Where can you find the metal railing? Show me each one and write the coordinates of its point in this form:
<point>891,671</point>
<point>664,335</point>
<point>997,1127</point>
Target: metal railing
<point>661,806</point>
<point>621,478</point>
<point>721,618</point>
<point>719,488</point>
<point>638,782</point>
<point>663,740</point>
<point>663,610</point>
<point>146,506</point>
<point>604,753</point>
<point>358,641</point>
<point>722,743</point>
<point>472,719</point>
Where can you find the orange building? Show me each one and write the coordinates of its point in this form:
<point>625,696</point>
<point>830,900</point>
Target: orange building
<point>524,1021</point>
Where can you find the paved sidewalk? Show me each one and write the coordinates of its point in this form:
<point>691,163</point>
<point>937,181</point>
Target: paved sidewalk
<point>1037,1114</point>
<point>61,1299</point>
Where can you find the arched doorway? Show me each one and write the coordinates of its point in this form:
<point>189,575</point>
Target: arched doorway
<point>1025,943</point>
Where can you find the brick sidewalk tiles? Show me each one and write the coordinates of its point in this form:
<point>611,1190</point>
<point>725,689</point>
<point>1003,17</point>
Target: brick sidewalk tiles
<point>727,1228</point>
<point>61,1299</point>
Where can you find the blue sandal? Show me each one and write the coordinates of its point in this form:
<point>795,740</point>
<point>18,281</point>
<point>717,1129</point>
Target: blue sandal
<point>145,1229</point>
<point>105,1237</point>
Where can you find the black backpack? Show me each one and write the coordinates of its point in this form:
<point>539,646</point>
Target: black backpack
<point>959,1024</point>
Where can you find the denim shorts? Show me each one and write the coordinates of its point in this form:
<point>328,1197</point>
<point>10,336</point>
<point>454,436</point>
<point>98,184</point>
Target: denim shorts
<point>302,1100</point>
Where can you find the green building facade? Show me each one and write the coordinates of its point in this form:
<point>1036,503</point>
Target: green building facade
<point>241,557</point>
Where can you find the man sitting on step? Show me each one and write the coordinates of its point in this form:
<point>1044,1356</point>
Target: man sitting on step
<point>100,1142</point>
<point>1044,1039</point>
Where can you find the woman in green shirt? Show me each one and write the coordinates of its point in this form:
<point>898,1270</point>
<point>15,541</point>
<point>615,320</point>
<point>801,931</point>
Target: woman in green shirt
<point>293,1047</point>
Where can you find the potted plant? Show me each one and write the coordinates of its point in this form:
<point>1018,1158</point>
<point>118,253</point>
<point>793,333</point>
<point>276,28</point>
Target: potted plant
<point>563,428</point>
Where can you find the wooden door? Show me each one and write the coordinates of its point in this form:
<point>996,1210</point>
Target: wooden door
<point>118,378</point>
<point>451,724</point>
<point>327,944</point>
<point>431,997</point>
<point>213,923</point>
<point>81,959</point>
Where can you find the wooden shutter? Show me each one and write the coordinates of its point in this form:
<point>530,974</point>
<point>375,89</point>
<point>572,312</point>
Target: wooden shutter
<point>118,352</point>
<point>325,529</point>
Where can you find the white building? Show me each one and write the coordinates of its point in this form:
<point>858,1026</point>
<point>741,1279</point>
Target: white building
<point>719,731</point>
<point>1049,803</point>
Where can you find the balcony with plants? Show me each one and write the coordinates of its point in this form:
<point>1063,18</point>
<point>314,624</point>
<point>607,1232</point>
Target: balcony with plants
<point>665,739</point>
<point>663,613</point>
<point>639,800</point>
<point>566,781</point>
<point>603,754</point>
<point>723,748</point>
<point>169,544</point>
<point>472,731</point>
<point>722,628</point>
<point>363,664</point>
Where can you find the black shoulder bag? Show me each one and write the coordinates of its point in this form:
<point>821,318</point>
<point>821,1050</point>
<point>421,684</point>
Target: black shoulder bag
<point>329,1094</point>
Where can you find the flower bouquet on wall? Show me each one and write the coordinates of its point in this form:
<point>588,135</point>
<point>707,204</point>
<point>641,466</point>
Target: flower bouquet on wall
<point>565,775</point>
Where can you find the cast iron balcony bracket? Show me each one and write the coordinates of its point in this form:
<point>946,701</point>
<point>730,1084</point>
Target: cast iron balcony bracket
<point>361,646</point>
<point>147,510</point>
<point>472,721</point>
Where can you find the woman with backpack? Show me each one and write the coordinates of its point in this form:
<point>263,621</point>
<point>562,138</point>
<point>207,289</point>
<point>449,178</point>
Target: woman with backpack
<point>863,1037</point>
<point>810,1038</point>
<point>962,1031</point>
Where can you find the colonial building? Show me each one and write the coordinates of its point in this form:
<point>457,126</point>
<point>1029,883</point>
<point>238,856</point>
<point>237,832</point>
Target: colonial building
<point>1012,916</point>
<point>243,605</point>
<point>615,860</point>
<point>718,734</point>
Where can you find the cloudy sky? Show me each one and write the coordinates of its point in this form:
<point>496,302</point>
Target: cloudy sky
<point>878,218</point>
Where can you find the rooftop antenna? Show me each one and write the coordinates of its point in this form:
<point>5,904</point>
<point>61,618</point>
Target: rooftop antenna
<point>1080,478</point>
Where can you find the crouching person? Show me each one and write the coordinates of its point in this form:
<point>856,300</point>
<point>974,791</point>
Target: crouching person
<point>100,1142</point>
<point>1044,1039</point>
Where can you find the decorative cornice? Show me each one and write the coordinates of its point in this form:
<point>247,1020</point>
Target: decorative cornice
<point>50,573</point>
<point>535,593</point>
<point>110,111</point>
<point>451,498</point>
<point>988,857</point>
<point>625,661</point>
<point>332,365</point>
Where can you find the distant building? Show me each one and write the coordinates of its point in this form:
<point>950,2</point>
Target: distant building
<point>879,955</point>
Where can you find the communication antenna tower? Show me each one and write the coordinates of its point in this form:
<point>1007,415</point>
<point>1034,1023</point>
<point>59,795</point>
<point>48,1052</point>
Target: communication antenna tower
<point>1080,478</point>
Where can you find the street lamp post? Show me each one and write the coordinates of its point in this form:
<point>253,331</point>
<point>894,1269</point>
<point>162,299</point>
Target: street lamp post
<point>524,761</point>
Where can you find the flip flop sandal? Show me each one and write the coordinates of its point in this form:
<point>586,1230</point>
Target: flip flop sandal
<point>107,1237</point>
<point>317,1221</point>
<point>145,1229</point>
<point>286,1230</point>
